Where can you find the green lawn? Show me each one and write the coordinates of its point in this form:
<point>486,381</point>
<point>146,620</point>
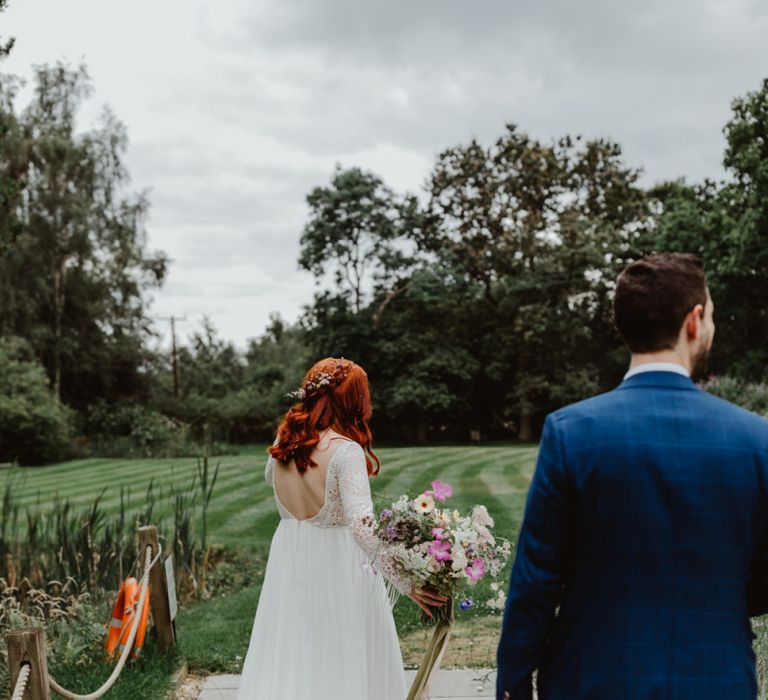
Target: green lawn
<point>242,510</point>
<point>214,635</point>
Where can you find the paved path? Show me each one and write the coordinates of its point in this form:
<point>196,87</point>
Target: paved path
<point>450,685</point>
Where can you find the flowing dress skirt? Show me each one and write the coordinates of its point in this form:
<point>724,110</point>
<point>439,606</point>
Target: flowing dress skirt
<point>324,628</point>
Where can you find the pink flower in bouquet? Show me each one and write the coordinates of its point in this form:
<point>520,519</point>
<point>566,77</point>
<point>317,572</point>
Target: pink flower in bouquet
<point>440,491</point>
<point>439,533</point>
<point>440,550</point>
<point>476,570</point>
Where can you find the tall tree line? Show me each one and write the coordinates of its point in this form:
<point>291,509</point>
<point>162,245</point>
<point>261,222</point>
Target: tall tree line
<point>487,303</point>
<point>479,304</point>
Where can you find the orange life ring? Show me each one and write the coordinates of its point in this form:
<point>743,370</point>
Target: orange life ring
<point>122,616</point>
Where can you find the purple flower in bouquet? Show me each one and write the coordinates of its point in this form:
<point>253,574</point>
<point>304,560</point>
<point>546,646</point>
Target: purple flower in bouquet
<point>391,532</point>
<point>476,570</point>
<point>440,491</point>
<point>386,514</point>
<point>440,550</point>
<point>439,533</point>
<point>466,604</point>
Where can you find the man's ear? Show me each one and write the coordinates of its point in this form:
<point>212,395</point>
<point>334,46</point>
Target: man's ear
<point>693,322</point>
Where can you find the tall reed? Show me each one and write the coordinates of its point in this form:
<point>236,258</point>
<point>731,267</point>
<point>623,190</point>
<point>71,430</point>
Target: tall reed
<point>95,548</point>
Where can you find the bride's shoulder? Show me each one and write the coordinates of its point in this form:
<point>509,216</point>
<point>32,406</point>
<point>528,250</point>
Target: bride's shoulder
<point>332,437</point>
<point>346,451</point>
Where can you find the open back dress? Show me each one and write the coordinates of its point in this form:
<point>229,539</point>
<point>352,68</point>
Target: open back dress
<point>324,627</point>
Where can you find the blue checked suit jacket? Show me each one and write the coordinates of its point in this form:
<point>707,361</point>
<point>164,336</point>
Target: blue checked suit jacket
<point>643,550</point>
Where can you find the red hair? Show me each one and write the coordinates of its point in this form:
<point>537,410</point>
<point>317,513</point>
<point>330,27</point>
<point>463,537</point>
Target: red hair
<point>335,394</point>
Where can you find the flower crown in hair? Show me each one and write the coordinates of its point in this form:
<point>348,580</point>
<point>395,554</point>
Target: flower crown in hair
<point>323,381</point>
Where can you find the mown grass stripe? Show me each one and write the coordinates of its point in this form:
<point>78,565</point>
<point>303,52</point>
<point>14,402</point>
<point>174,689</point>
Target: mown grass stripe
<point>77,495</point>
<point>242,509</point>
<point>128,471</point>
<point>122,468</point>
<point>138,473</point>
<point>420,473</point>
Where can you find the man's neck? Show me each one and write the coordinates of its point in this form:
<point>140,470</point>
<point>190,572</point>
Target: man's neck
<point>663,356</point>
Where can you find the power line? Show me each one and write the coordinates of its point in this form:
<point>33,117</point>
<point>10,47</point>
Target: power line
<point>174,361</point>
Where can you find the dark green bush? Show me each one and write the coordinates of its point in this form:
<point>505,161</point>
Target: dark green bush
<point>35,428</point>
<point>750,395</point>
<point>131,430</point>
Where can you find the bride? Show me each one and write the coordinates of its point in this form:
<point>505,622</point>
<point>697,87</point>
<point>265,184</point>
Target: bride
<point>324,626</point>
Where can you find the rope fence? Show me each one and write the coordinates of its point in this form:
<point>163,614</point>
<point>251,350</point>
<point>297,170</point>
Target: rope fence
<point>26,650</point>
<point>136,613</point>
<point>21,681</point>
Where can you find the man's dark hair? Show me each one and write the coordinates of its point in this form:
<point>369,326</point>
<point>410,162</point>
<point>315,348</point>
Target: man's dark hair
<point>653,297</point>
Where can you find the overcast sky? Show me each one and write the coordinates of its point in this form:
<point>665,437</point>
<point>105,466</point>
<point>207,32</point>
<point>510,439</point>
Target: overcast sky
<point>236,108</point>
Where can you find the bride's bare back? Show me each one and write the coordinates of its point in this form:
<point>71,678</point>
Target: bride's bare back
<point>303,495</point>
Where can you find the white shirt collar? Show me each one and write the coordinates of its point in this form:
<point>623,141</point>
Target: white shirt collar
<point>658,367</point>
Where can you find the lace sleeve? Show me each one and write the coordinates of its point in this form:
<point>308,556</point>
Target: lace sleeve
<point>269,469</point>
<point>355,493</point>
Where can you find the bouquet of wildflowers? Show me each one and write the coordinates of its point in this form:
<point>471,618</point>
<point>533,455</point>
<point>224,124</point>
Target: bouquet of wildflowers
<point>439,548</point>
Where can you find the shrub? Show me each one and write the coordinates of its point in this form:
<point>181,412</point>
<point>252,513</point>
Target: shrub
<point>752,396</point>
<point>130,430</point>
<point>35,428</point>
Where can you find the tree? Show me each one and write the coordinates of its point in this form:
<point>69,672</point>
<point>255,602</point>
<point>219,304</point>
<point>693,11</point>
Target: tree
<point>424,361</point>
<point>357,232</point>
<point>726,223</point>
<point>76,255</point>
<point>230,395</point>
<point>5,48</point>
<point>543,229</point>
<point>13,167</point>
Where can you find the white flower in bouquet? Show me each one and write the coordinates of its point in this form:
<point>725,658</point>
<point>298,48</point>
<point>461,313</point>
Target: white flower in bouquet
<point>424,504</point>
<point>496,567</point>
<point>402,504</point>
<point>434,566</point>
<point>459,558</point>
<point>416,561</point>
<point>465,536</point>
<point>481,516</point>
<point>484,535</point>
<point>498,602</point>
<point>422,549</point>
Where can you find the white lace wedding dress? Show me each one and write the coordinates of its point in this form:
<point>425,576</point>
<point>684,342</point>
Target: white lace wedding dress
<point>324,628</point>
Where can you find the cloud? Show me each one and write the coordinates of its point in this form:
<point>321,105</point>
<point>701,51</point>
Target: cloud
<point>236,110</point>
<point>430,74</point>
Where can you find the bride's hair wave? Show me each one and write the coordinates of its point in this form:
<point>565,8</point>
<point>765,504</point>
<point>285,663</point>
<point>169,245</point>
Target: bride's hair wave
<point>335,394</point>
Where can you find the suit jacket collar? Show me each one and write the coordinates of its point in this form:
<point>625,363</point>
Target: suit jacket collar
<point>669,380</point>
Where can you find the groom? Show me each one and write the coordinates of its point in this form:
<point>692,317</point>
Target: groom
<point>644,547</point>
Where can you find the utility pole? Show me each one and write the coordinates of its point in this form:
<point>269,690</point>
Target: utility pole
<point>174,361</point>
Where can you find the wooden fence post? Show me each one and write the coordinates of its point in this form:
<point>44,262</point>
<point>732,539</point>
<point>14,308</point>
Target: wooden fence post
<point>159,605</point>
<point>28,644</point>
